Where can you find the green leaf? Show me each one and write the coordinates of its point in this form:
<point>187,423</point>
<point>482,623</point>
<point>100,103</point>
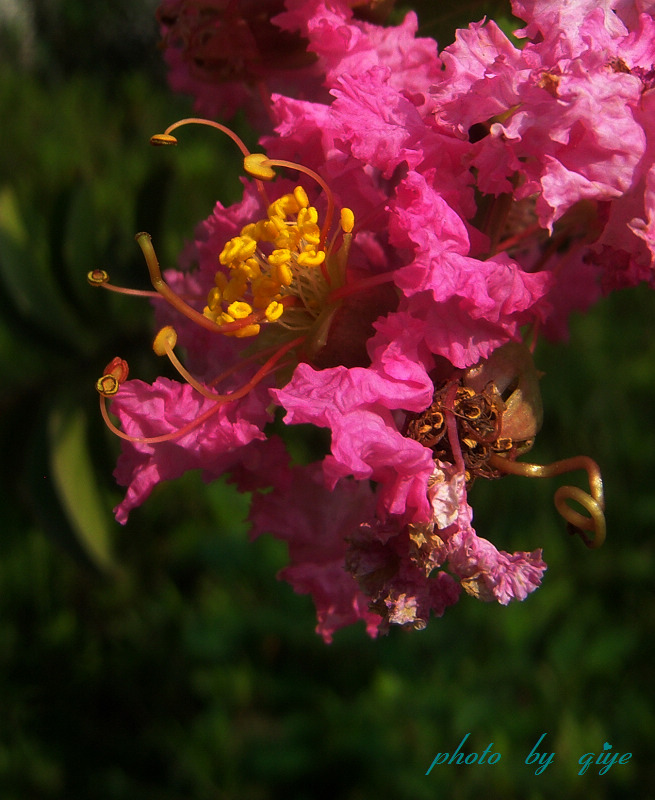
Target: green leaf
<point>26,277</point>
<point>72,474</point>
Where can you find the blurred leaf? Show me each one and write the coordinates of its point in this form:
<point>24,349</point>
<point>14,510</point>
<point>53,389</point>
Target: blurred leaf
<point>27,280</point>
<point>73,478</point>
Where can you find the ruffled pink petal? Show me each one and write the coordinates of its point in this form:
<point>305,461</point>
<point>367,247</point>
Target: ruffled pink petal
<point>316,523</point>
<point>166,406</point>
<point>463,307</point>
<point>355,404</point>
<point>348,47</point>
<point>492,574</point>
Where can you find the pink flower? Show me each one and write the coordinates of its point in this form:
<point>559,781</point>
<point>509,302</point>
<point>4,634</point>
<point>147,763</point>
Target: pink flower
<point>217,439</point>
<point>562,124</point>
<point>229,54</point>
<point>443,203</point>
<point>316,523</point>
<point>357,406</point>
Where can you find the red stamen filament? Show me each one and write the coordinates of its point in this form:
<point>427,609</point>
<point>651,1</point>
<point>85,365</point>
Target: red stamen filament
<point>269,366</point>
<point>253,357</point>
<point>593,503</point>
<point>451,425</point>
<point>359,286</point>
<point>511,241</point>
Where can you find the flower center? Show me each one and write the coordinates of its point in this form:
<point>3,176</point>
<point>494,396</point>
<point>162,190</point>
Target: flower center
<point>282,280</point>
<point>274,265</point>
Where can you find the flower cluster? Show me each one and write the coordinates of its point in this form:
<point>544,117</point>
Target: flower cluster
<point>444,204</point>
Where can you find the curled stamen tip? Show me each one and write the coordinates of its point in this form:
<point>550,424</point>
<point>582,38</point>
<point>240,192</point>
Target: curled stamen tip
<point>256,165</point>
<point>97,277</point>
<point>114,374</point>
<point>162,139</point>
<point>107,386</point>
<point>165,340</point>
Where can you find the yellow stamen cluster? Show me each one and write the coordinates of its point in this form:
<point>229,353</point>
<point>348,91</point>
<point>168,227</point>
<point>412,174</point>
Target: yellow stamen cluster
<point>259,282</point>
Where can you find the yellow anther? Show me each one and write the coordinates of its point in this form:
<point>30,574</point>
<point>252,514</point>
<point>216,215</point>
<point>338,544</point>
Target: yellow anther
<point>230,250</point>
<point>162,139</point>
<point>224,319</point>
<point>255,165</point>
<point>301,197</point>
<point>283,206</point>
<point>265,287</point>
<point>107,386</point>
<point>311,258</point>
<point>283,274</point>
<point>234,290</point>
<point>290,204</point>
<point>281,256</point>
<point>249,330</point>
<point>347,220</point>
<point>288,238</point>
<point>238,249</point>
<point>311,235</point>
<point>263,231</point>
<point>214,299</point>
<point>220,279</point>
<point>274,311</point>
<point>165,340</point>
<point>240,274</point>
<point>307,217</point>
<point>239,310</point>
<point>275,209</point>
<point>97,277</point>
<point>250,269</point>
<point>274,224</point>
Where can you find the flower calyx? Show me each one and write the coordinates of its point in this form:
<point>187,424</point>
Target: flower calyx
<point>484,418</point>
<point>496,409</point>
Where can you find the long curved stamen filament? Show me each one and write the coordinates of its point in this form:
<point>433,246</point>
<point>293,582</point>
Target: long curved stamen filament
<point>593,503</point>
<point>261,166</point>
<point>167,139</point>
<point>163,345</point>
<point>165,437</point>
<point>144,241</point>
<point>100,279</point>
<point>276,162</point>
<point>269,366</point>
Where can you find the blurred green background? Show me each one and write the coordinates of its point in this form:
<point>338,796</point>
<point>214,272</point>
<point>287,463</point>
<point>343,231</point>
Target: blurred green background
<point>164,660</point>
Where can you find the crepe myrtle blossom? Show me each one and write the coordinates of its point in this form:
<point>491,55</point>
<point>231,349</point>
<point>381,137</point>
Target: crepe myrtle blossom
<point>445,208</point>
<point>356,299</point>
<point>231,54</point>
<point>547,149</point>
<point>561,133</point>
